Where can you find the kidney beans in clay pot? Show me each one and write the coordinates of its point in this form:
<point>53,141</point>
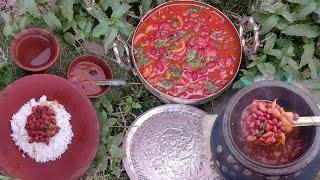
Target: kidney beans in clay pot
<point>266,123</point>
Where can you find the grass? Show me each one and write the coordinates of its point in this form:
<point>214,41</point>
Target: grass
<point>115,110</point>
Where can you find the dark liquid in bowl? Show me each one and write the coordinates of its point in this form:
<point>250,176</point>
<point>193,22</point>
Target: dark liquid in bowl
<point>34,51</point>
<point>85,74</point>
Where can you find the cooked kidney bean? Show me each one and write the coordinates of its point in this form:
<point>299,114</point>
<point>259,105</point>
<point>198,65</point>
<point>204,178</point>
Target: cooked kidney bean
<point>264,123</point>
<point>41,124</point>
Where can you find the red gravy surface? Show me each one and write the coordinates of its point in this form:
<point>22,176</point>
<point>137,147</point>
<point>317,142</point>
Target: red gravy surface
<point>85,74</point>
<point>188,51</point>
<point>294,147</point>
<point>34,50</point>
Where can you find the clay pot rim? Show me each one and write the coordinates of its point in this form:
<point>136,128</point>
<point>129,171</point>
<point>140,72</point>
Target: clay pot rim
<point>82,58</point>
<point>261,168</point>
<point>30,31</point>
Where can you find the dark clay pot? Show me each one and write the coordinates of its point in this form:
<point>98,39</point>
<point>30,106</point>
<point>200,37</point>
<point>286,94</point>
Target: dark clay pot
<point>234,164</point>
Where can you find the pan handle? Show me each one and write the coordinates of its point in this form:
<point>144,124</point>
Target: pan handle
<point>125,65</point>
<point>250,46</point>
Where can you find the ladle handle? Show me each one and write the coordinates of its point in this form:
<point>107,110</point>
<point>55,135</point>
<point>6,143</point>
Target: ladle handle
<point>307,121</point>
<point>250,47</point>
<point>126,65</point>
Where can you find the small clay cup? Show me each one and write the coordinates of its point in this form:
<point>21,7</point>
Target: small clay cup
<point>55,49</point>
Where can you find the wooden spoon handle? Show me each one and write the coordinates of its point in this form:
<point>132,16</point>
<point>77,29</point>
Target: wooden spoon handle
<point>307,121</point>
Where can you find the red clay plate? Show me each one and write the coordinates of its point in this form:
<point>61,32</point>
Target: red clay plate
<point>85,126</point>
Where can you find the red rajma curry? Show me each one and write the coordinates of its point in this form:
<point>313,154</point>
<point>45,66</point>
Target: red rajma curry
<point>188,51</point>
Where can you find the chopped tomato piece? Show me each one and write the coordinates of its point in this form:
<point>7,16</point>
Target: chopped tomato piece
<point>138,37</point>
<point>151,28</point>
<point>180,48</point>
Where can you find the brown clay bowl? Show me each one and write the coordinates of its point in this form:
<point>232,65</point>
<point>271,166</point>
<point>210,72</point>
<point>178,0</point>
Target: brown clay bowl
<point>85,126</point>
<point>34,56</point>
<point>99,62</point>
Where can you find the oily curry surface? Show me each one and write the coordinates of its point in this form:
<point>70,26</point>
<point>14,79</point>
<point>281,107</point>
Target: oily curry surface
<point>188,51</point>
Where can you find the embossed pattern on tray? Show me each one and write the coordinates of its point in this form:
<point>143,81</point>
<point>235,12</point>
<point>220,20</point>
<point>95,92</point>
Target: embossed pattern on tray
<point>166,143</point>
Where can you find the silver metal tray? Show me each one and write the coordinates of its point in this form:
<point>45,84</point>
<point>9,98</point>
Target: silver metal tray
<point>166,142</point>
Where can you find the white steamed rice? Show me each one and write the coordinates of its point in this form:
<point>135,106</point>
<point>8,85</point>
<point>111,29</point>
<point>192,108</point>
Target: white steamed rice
<point>58,144</point>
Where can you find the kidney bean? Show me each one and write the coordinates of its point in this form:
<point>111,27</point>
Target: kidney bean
<point>259,113</point>
<point>268,134</point>
<point>295,116</point>
<point>268,116</point>
<point>275,129</point>
<point>270,122</point>
<point>254,116</point>
<point>251,138</point>
<point>275,121</point>
<point>267,129</point>
<point>258,124</point>
<point>262,107</point>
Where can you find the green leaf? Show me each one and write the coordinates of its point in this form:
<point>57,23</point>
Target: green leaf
<point>111,122</point>
<point>115,140</point>
<point>237,85</point>
<point>6,17</point>
<point>116,152</point>
<point>104,115</point>
<point>160,1</point>
<point>282,24</point>
<point>69,38</point>
<point>105,4</point>
<point>146,5</point>
<point>66,25</point>
<point>120,10</point>
<point>288,16</point>
<point>274,52</point>
<point>301,30</point>
<point>129,99</point>
<point>124,27</point>
<point>29,6</point>
<point>101,29</point>
<point>136,105</point>
<point>10,29</point>
<point>293,64</point>
<point>41,1</point>
<point>24,21</point>
<point>101,153</point>
<point>107,104</point>
<point>84,23</point>
<point>97,13</point>
<point>260,17</point>
<point>266,69</point>
<point>67,9</point>
<point>4,177</point>
<point>270,23</point>
<point>284,42</point>
<point>306,10</point>
<point>271,41</point>
<point>52,21</point>
<point>312,67</point>
<point>307,55</point>
<point>299,1</point>
<point>110,37</point>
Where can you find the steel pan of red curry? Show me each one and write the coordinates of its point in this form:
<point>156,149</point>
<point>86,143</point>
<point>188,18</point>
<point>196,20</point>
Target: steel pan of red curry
<point>186,51</point>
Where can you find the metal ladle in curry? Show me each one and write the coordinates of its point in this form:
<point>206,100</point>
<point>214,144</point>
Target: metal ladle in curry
<point>265,123</point>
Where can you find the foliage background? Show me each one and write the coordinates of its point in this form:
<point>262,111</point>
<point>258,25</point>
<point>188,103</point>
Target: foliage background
<point>290,49</point>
